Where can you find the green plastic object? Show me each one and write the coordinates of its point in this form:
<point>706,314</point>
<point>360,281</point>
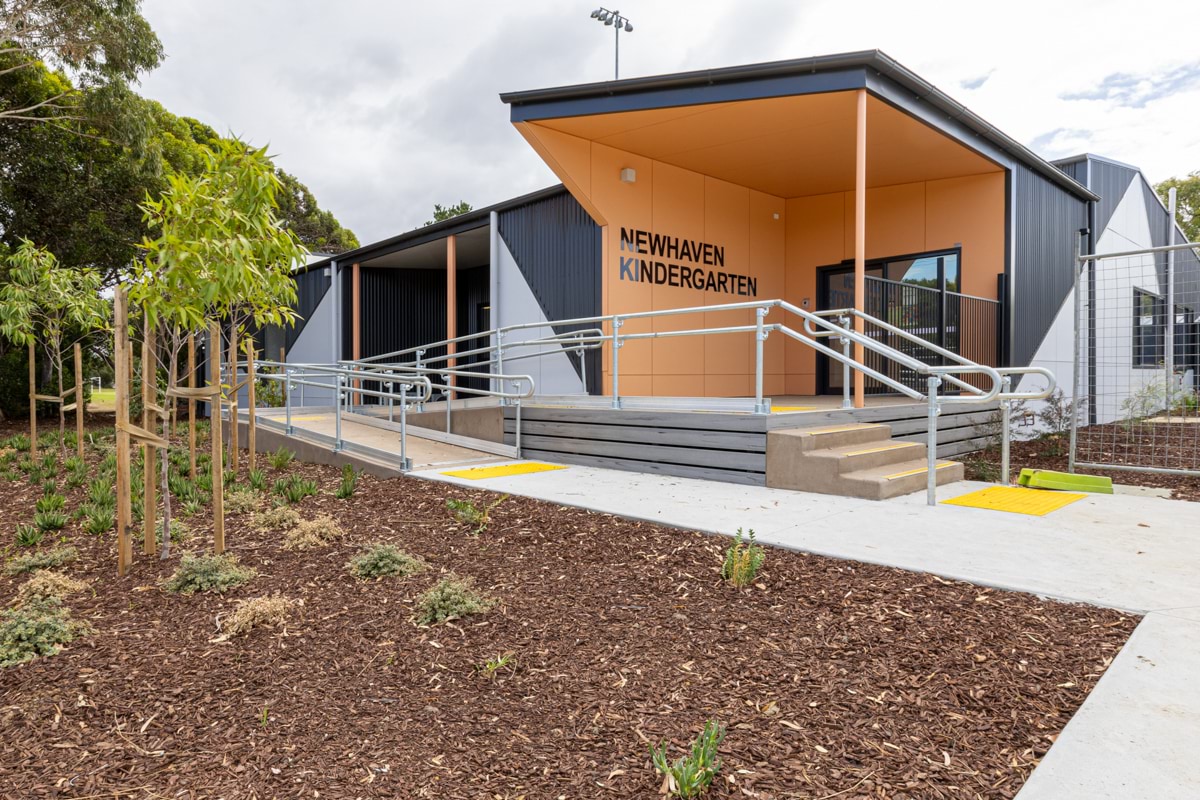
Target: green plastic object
<point>1064,481</point>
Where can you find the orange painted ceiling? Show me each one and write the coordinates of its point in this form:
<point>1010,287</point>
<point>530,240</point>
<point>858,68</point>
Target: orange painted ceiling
<point>785,146</point>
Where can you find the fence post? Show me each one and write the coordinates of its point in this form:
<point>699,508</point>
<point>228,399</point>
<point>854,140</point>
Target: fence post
<point>1169,338</point>
<point>1076,267</point>
<point>760,336</point>
<point>616,363</point>
<point>1006,429</point>
<point>933,383</point>
<point>79,404</point>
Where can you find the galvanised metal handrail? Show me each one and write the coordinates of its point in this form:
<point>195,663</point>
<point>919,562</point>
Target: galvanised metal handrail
<point>817,327</point>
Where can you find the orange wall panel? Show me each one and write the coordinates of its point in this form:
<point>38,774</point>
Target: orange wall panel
<point>969,210</point>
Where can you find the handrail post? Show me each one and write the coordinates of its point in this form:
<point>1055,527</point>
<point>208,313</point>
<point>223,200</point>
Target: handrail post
<point>287,401</point>
<point>500,360</point>
<point>616,362</point>
<point>933,382</point>
<point>760,336</point>
<point>515,384</point>
<point>337,419</point>
<point>391,396</point>
<point>418,354</point>
<point>846,345</point>
<point>405,464</point>
<point>1006,428</point>
<point>446,384</point>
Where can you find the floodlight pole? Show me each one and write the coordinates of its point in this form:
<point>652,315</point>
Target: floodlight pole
<point>615,19</point>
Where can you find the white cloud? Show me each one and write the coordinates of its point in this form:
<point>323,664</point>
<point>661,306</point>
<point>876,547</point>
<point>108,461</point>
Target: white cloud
<point>384,109</point>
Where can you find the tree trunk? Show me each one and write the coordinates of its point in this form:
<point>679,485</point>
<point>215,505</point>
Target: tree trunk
<point>165,550</point>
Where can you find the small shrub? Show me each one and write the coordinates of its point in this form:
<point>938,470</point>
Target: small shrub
<point>241,501</point>
<point>743,560</point>
<point>101,493</point>
<point>281,458</point>
<point>468,512</point>
<point>18,442</point>
<point>44,560</point>
<point>75,480</point>
<point>384,560</point>
<point>230,478</point>
<point>45,584</point>
<point>36,628</point>
<point>28,536</point>
<point>308,534</point>
<point>203,483</point>
<point>690,775</point>
<point>9,475</point>
<point>450,598</point>
<point>277,519</point>
<point>267,611</point>
<point>349,483</point>
<point>49,486</point>
<point>50,502</point>
<point>180,530</point>
<point>191,508</point>
<point>295,488</point>
<point>49,463</point>
<point>208,573</point>
<point>50,520</point>
<point>99,520</point>
<point>74,464</point>
<point>258,479</point>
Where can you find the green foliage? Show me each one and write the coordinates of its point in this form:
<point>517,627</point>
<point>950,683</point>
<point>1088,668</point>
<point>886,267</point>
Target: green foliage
<point>241,501</point>
<point>493,666</point>
<point>258,479</point>
<point>49,486</point>
<point>691,775</point>
<point>743,560</point>
<point>1143,402</point>
<point>50,502</point>
<point>442,213</point>
<point>38,627</point>
<point>317,229</point>
<point>1187,203</point>
<point>18,442</point>
<point>101,494</point>
<point>295,488</point>
<point>28,536</point>
<point>99,519</point>
<point>208,573</point>
<point>47,559</point>
<point>50,520</point>
<point>450,598</point>
<point>382,560</point>
<point>281,458</point>
<point>467,512</point>
<point>349,482</point>
<point>216,247</point>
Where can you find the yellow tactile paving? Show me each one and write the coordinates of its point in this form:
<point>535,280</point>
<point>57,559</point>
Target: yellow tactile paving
<point>502,471</point>
<point>1018,500</point>
<point>784,409</point>
<point>854,426</point>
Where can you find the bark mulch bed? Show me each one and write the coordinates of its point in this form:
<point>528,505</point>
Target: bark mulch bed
<point>1176,446</point>
<point>834,679</point>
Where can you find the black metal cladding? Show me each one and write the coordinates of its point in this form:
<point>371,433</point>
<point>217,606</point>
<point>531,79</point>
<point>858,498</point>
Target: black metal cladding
<point>557,247</point>
<point>311,287</point>
<point>1047,221</point>
<point>1111,182</point>
<point>402,308</point>
<point>473,312</point>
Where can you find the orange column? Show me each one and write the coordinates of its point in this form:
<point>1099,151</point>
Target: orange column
<point>356,319</point>
<point>451,299</point>
<point>860,234</point>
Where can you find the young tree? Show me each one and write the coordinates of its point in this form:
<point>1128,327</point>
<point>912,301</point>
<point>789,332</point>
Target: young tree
<point>45,302</point>
<point>1187,203</point>
<point>216,251</point>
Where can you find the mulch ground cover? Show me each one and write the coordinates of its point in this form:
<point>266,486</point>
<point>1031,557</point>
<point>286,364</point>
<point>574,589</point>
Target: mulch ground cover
<point>833,678</point>
<point>1175,446</point>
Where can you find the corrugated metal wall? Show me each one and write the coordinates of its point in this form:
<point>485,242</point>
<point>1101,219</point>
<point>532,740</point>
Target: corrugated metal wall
<point>1111,182</point>
<point>473,316</point>
<point>401,308</point>
<point>310,290</point>
<point>1047,219</point>
<point>557,247</point>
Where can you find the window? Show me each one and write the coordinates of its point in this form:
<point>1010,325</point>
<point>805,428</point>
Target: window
<point>1149,314</point>
<point>927,271</point>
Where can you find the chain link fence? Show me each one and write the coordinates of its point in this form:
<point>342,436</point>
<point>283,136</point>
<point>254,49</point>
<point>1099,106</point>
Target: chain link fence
<point>1137,361</point>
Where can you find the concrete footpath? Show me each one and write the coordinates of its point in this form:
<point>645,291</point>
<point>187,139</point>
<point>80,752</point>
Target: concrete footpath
<point>1137,732</point>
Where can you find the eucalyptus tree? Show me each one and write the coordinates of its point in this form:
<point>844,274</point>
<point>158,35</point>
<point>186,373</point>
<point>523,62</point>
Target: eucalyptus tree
<point>216,250</point>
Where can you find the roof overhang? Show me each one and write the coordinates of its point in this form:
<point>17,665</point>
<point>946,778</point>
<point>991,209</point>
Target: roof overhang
<point>872,70</point>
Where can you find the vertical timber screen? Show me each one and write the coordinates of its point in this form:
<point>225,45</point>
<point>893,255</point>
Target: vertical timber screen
<point>1137,356</point>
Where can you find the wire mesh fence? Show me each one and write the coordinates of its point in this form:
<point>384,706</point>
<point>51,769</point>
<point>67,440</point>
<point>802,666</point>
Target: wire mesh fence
<point>1137,351</point>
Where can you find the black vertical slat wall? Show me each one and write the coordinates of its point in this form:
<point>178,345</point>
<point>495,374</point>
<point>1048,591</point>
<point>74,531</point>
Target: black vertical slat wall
<point>474,291</point>
<point>1047,220</point>
<point>557,247</point>
<point>402,308</point>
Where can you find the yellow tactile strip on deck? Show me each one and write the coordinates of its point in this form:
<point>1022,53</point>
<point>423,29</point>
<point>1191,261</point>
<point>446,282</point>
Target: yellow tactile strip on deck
<point>502,471</point>
<point>917,471</point>
<point>1016,499</point>
<point>786,409</point>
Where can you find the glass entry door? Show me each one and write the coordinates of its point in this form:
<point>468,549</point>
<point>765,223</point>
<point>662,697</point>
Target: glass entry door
<point>835,289</point>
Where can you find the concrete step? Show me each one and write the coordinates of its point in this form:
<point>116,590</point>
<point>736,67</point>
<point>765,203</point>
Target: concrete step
<point>855,457</point>
<point>855,433</point>
<point>893,480</point>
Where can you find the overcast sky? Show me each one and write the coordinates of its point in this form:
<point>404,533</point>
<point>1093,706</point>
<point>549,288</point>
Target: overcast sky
<point>385,108</point>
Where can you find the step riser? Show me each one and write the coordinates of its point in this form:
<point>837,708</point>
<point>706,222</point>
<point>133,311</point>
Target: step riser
<point>808,442</point>
<point>885,489</point>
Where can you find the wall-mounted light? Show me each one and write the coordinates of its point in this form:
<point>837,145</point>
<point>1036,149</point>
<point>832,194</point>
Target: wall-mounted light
<point>629,175</point>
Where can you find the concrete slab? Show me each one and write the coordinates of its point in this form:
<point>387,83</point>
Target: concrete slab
<point>1135,736</point>
<point>1130,552</point>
